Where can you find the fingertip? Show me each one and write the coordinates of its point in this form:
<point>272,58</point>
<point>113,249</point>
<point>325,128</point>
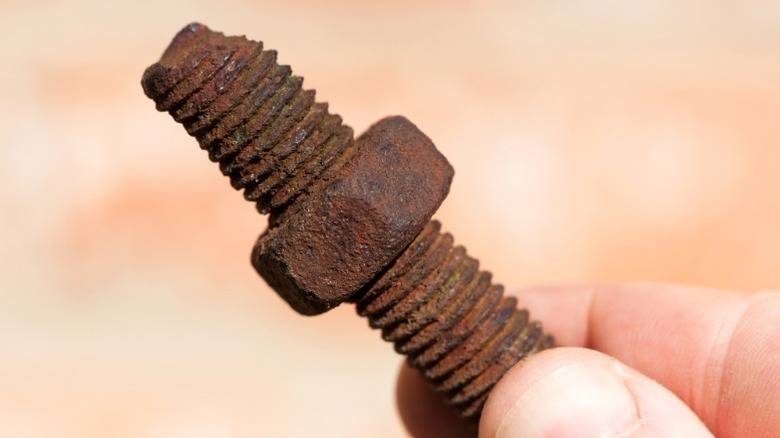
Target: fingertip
<point>578,392</point>
<point>547,303</point>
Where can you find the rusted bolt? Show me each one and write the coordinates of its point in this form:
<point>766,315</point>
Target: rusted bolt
<point>349,220</point>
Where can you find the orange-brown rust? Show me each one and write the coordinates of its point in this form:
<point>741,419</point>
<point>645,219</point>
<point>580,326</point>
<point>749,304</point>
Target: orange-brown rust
<point>350,220</point>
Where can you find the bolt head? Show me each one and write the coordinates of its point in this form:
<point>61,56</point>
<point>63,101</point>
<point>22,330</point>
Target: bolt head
<point>342,237</point>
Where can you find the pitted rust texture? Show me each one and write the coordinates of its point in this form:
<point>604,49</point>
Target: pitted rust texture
<point>453,325</point>
<point>350,220</point>
<point>250,114</point>
<point>363,218</point>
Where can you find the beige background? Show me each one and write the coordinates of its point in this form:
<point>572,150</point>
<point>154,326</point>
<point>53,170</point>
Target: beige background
<point>593,141</point>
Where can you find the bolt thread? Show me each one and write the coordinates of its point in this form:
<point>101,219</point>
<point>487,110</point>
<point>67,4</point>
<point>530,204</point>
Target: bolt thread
<point>451,322</point>
<point>252,115</point>
<point>276,143</point>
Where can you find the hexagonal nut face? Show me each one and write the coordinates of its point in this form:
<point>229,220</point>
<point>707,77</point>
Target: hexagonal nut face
<point>343,237</point>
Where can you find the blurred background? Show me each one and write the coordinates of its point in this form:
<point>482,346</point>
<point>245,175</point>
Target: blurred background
<point>593,141</point>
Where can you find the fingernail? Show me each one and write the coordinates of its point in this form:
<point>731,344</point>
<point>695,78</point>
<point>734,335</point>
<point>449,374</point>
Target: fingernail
<point>585,399</point>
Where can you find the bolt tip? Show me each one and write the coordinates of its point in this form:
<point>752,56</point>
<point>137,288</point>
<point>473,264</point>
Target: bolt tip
<point>149,81</point>
<point>181,54</point>
<point>190,37</point>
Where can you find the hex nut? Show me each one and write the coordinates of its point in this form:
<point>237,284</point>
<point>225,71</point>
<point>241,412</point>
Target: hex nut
<point>346,234</point>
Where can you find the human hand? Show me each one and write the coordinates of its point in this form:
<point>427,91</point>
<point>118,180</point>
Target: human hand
<point>641,360</point>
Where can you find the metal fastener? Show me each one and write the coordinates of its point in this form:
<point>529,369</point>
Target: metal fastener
<point>349,219</point>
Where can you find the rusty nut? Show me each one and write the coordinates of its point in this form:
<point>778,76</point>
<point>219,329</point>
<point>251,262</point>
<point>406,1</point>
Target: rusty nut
<point>343,236</point>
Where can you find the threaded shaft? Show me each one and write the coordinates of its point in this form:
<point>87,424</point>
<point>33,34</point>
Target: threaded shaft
<point>276,143</point>
<point>451,322</point>
<point>251,115</point>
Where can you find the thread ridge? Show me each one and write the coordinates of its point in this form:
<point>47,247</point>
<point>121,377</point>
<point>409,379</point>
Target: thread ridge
<point>451,322</point>
<point>251,115</point>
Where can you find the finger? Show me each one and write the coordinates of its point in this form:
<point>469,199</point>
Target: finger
<point>716,350</point>
<point>423,412</point>
<point>569,392</point>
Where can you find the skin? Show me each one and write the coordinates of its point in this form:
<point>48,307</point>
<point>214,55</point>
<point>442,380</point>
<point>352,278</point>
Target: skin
<point>639,360</point>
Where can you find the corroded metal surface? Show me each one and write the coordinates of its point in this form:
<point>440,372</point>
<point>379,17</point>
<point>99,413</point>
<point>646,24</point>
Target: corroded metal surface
<point>250,114</point>
<point>343,236</point>
<point>451,322</point>
<point>350,220</point>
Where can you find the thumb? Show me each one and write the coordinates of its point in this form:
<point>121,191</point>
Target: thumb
<point>565,392</point>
